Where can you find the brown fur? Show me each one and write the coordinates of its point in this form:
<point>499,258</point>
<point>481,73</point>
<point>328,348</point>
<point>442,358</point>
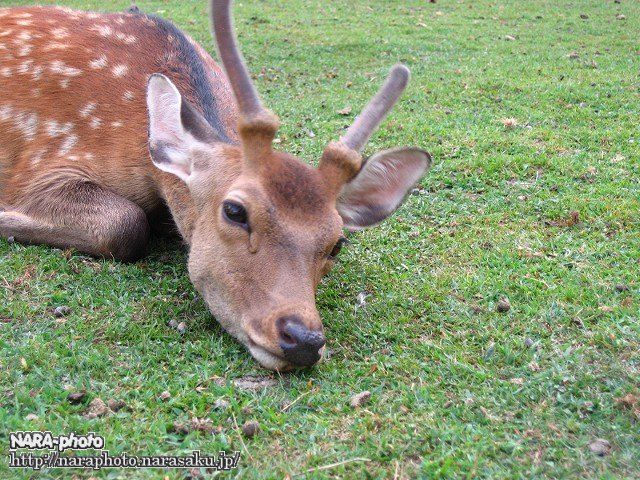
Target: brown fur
<point>106,154</point>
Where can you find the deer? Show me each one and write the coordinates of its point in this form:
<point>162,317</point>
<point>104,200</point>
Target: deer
<point>109,120</point>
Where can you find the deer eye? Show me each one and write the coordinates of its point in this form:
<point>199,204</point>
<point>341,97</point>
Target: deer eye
<point>337,247</point>
<point>235,213</point>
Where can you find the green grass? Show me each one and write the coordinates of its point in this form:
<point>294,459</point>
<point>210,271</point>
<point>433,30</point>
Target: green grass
<point>456,390</point>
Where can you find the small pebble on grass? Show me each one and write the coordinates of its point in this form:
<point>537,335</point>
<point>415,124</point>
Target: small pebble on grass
<point>600,447</point>
<point>194,425</point>
<point>254,383</point>
<point>116,405</point>
<point>362,299</point>
<point>360,399</point>
<point>503,305</point>
<point>61,311</point>
<point>76,397</point>
<point>250,428</point>
<point>97,408</point>
<point>491,349</point>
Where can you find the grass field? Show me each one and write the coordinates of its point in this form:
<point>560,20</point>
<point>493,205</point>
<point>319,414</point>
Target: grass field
<point>531,112</point>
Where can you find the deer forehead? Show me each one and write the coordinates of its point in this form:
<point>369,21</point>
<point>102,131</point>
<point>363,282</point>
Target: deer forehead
<point>295,187</point>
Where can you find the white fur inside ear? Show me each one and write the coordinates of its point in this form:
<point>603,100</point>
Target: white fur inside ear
<point>164,103</point>
<point>170,145</point>
<point>380,186</point>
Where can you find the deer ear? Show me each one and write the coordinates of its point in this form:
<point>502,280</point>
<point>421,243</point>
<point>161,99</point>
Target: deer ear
<point>380,186</point>
<point>176,129</point>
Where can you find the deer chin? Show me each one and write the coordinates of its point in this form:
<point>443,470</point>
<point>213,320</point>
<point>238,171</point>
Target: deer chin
<point>271,360</point>
<point>267,359</point>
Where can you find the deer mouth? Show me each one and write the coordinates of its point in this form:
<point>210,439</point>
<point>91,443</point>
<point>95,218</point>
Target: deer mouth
<point>274,361</point>
<point>267,358</point>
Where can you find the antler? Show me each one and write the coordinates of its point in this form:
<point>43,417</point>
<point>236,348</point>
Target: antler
<point>358,134</point>
<point>257,125</point>
<point>341,160</point>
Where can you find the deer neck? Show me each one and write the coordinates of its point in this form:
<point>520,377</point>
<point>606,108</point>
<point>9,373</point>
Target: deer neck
<point>181,205</point>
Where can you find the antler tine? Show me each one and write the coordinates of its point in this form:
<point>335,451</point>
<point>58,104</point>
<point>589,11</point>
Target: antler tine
<point>257,126</point>
<point>358,134</point>
<point>243,88</point>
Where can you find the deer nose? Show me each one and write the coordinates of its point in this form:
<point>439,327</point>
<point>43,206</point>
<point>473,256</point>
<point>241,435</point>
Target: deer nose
<point>301,345</point>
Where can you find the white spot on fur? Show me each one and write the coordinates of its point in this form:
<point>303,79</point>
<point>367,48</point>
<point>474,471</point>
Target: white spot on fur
<point>88,156</point>
<point>22,15</point>
<point>119,70</point>
<point>36,72</point>
<point>24,35</point>
<point>66,10</point>
<point>55,129</point>
<point>36,158</point>
<point>36,92</point>
<point>64,83</point>
<point>58,66</point>
<point>128,96</point>
<point>25,66</point>
<point>99,62</point>
<point>23,122</point>
<point>95,122</point>
<point>128,39</point>
<point>24,50</point>
<point>60,33</point>
<point>6,33</point>
<point>120,21</point>
<point>6,71</point>
<point>103,30</point>
<point>116,124</point>
<point>67,144</point>
<point>6,112</point>
<point>55,46</point>
<point>28,124</point>
<point>88,109</point>
<point>24,23</point>
<point>92,16</point>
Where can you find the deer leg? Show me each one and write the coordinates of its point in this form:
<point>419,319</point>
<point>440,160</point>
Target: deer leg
<point>83,216</point>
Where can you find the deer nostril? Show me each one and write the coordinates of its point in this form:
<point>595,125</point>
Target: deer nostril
<point>287,338</point>
<point>300,344</point>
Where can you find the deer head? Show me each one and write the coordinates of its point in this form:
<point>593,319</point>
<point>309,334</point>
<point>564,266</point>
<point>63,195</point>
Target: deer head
<point>268,225</point>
